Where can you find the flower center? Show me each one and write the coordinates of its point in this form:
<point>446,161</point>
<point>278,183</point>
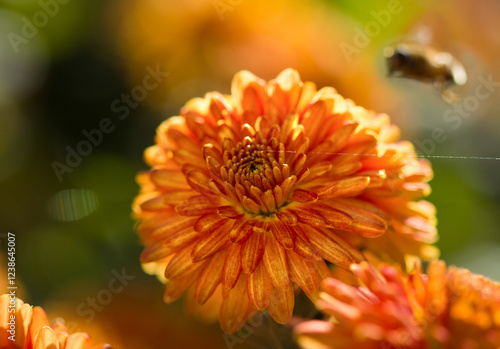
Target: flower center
<point>255,168</point>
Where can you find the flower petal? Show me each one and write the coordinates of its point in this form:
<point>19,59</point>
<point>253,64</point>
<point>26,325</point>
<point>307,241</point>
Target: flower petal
<point>242,230</point>
<point>210,243</point>
<point>166,247</point>
<point>281,304</point>
<point>210,278</point>
<point>310,217</point>
<point>259,287</point>
<point>303,196</point>
<point>196,206</point>
<point>176,288</point>
<point>330,250</point>
<point>209,222</point>
<point>252,251</point>
<point>39,321</point>
<point>282,234</point>
<point>230,212</point>
<point>182,264</point>
<point>165,228</point>
<point>232,266</point>
<point>347,187</point>
<point>169,179</point>
<point>78,341</point>
<point>235,309</point>
<point>276,264</point>
<point>199,181</point>
<point>303,272</point>
<point>365,223</point>
<point>46,339</point>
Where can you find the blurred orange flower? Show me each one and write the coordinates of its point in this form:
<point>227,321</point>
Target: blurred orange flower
<point>204,42</point>
<point>443,309</point>
<point>250,193</point>
<point>31,329</point>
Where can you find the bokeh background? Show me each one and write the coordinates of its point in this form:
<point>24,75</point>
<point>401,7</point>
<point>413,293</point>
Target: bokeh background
<point>67,65</point>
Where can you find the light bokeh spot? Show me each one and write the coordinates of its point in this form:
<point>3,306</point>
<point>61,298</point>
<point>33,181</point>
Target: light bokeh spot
<point>72,204</point>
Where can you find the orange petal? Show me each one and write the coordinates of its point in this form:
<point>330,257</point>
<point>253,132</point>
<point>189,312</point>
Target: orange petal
<point>287,217</point>
<point>164,248</point>
<point>310,217</point>
<point>259,287</point>
<point>199,181</point>
<point>174,198</point>
<point>330,249</point>
<point>39,321</point>
<point>242,230</point>
<point>196,206</point>
<point>282,234</point>
<point>165,227</point>
<point>303,272</point>
<point>252,251</point>
<point>276,264</point>
<point>230,212</point>
<point>220,106</point>
<point>45,339</point>
<point>78,341</point>
<point>287,185</point>
<point>24,316</point>
<point>210,278</point>
<point>210,243</point>
<point>340,136</point>
<point>281,304</point>
<point>336,218</point>
<point>303,196</point>
<point>341,310</point>
<point>250,205</point>
<point>365,223</point>
<point>176,288</point>
<point>303,246</point>
<point>182,263</point>
<point>346,187</point>
<point>235,308</point>
<point>169,179</point>
<point>208,312</point>
<point>154,204</point>
<point>209,222</point>
<point>254,99</point>
<point>182,141</point>
<point>322,269</point>
<point>232,266</point>
<point>183,157</point>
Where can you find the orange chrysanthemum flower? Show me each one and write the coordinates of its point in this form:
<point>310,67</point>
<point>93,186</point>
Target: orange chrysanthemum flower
<point>30,329</point>
<point>250,193</point>
<point>444,309</point>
